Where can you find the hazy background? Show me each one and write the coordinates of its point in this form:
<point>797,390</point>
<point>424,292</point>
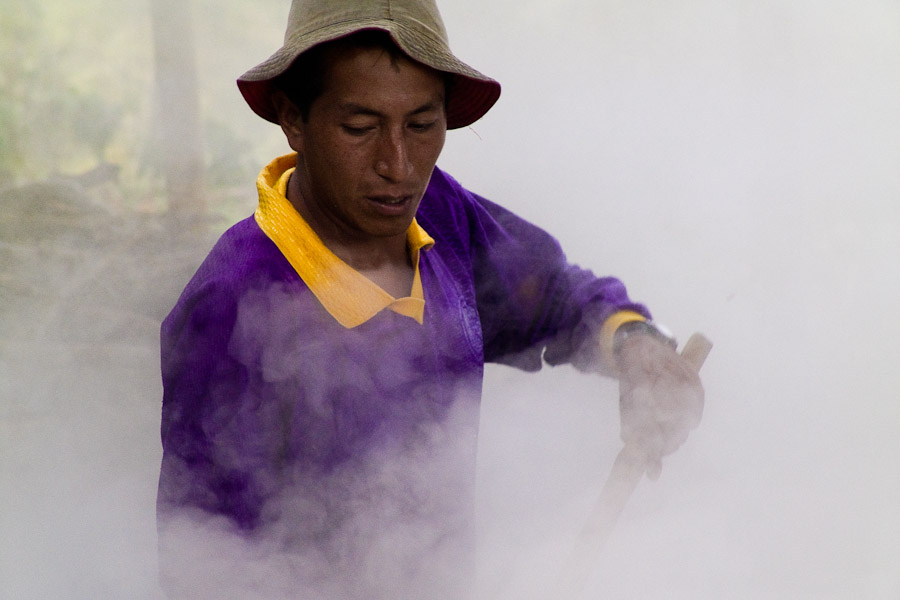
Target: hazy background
<point>734,162</point>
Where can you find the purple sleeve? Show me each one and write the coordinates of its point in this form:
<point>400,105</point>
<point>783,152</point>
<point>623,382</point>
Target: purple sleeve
<point>213,414</point>
<point>533,303</point>
<point>206,464</point>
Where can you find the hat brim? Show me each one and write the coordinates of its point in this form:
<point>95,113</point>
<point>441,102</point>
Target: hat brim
<point>473,93</point>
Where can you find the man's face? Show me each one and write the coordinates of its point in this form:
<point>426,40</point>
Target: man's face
<point>368,147</point>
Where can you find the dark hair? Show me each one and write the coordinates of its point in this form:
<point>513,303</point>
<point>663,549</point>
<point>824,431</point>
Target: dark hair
<point>304,80</point>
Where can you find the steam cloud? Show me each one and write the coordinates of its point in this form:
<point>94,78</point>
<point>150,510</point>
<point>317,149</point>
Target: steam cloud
<point>734,163</point>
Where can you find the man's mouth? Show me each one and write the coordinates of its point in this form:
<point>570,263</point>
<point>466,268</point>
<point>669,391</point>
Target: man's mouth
<point>391,206</point>
<point>391,199</point>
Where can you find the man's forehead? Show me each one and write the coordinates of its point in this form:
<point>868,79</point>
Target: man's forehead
<point>364,57</point>
<point>359,72</point>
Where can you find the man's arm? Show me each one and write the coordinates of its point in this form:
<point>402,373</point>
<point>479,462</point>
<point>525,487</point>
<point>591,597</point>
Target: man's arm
<point>536,307</point>
<point>214,472</point>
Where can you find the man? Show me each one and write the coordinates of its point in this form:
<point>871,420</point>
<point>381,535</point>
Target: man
<point>322,370</point>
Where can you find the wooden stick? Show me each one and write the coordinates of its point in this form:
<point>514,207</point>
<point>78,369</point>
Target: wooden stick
<point>627,471</point>
<point>696,350</point>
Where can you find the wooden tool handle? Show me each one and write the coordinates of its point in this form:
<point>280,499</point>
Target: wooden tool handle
<point>696,349</point>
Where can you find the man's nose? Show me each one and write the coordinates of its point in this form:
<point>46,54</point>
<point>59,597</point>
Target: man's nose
<point>392,162</point>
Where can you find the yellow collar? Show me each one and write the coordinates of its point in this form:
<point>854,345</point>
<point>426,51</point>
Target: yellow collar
<point>349,296</point>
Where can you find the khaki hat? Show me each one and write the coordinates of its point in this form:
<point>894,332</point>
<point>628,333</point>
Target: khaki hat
<point>414,25</point>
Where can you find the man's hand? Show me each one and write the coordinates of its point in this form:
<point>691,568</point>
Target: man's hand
<point>660,398</point>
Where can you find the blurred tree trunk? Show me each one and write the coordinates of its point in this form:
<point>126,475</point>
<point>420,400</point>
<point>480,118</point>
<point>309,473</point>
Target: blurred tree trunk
<point>179,146</point>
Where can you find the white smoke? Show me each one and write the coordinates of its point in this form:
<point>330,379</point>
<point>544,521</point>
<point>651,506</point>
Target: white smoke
<point>735,164</point>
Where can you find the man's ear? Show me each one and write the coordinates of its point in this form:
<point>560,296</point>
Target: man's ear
<point>289,118</point>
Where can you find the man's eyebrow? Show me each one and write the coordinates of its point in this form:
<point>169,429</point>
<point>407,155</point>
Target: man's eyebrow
<point>435,104</point>
<point>359,109</point>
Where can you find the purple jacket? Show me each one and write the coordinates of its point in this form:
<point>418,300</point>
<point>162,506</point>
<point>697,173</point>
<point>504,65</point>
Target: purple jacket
<point>274,413</point>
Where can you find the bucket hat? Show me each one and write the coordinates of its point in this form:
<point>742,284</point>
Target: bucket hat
<point>414,25</point>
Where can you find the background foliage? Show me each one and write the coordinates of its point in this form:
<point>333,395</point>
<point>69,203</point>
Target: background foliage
<point>77,91</point>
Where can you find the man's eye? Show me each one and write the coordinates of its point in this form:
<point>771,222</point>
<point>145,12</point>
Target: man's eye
<point>357,130</point>
<point>422,126</point>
